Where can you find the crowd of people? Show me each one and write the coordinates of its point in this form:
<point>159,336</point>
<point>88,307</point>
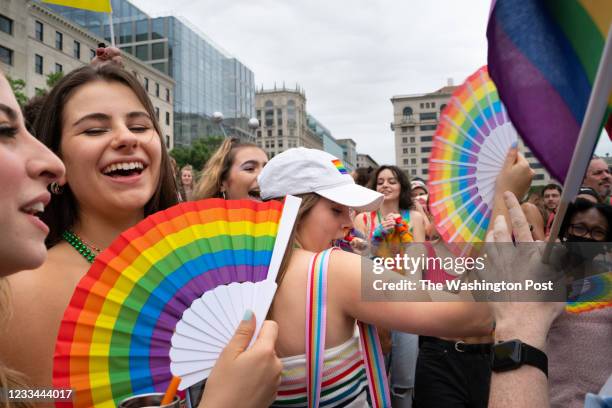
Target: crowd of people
<point>97,149</point>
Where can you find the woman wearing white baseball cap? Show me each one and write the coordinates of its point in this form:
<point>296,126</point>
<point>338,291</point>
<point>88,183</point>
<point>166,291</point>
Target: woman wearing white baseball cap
<point>333,280</point>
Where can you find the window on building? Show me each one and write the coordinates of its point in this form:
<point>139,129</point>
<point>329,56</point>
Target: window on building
<point>269,113</point>
<point>422,105</point>
<point>59,40</point>
<point>146,84</point>
<point>280,133</point>
<point>404,129</point>
<point>428,116</point>
<point>259,133</point>
<point>413,150</point>
<point>425,149</point>
<point>273,144</point>
<point>39,31</point>
<point>404,140</point>
<point>267,144</point>
<point>125,32</point>
<point>157,89</point>
<point>167,141</point>
<point>76,49</point>
<point>128,50</point>
<point>405,150</point>
<point>427,127</point>
<point>258,114</point>
<point>269,132</point>
<point>279,117</point>
<point>167,94</point>
<point>426,139</point>
<point>407,112</point>
<point>38,64</point>
<point>157,51</point>
<point>536,165</point>
<point>291,115</point>
<point>413,161</point>
<point>168,118</point>
<point>142,52</point>
<point>6,55</point>
<point>157,113</point>
<point>58,67</point>
<point>412,140</point>
<point>157,28</point>
<point>406,161</point>
<point>92,53</point>
<point>425,171</point>
<point>424,160</point>
<point>538,177</point>
<point>6,25</point>
<point>528,154</point>
<point>142,30</point>
<point>413,172</point>
<point>280,143</point>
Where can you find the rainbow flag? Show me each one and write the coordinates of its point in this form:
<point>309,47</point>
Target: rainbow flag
<point>543,58</point>
<point>102,6</point>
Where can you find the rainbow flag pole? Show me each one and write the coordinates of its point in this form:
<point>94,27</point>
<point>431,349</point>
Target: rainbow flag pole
<point>589,131</point>
<point>100,6</point>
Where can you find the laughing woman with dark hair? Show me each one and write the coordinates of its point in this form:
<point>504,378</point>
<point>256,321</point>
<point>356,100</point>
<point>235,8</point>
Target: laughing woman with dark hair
<point>101,123</point>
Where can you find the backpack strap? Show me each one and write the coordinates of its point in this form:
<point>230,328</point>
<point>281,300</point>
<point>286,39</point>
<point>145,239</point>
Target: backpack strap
<point>316,316</point>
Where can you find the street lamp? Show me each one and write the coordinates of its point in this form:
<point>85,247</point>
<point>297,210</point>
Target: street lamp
<point>217,117</point>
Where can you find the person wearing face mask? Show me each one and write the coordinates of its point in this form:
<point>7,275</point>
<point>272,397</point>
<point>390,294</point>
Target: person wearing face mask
<point>27,167</point>
<point>579,344</point>
<point>231,172</point>
<point>101,123</point>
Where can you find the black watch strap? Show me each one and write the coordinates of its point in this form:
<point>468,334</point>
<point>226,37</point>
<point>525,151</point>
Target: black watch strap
<point>534,357</point>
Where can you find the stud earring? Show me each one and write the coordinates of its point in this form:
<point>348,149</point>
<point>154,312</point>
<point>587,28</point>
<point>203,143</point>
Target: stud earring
<point>55,188</point>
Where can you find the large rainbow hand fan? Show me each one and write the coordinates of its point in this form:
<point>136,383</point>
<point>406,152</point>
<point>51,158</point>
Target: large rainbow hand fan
<point>115,338</point>
<point>469,148</point>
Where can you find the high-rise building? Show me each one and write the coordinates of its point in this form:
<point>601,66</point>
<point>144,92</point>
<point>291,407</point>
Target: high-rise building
<point>283,121</point>
<point>415,118</point>
<point>207,78</point>
<point>35,42</point>
<point>330,144</point>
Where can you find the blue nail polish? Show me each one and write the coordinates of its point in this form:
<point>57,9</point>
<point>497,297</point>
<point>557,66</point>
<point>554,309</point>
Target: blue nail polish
<point>248,315</point>
<point>514,145</point>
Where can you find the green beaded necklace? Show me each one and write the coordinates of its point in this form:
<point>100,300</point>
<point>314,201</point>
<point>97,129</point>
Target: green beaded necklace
<point>77,243</point>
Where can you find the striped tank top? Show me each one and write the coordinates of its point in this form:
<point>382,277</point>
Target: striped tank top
<point>344,381</point>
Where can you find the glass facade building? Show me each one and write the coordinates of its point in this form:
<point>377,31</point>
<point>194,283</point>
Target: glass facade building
<point>207,79</point>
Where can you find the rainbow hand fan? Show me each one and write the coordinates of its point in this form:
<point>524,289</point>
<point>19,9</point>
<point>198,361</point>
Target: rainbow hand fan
<point>594,292</point>
<point>115,337</point>
<point>469,148</point>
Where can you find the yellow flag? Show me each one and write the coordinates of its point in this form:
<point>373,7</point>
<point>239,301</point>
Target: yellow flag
<point>102,6</point>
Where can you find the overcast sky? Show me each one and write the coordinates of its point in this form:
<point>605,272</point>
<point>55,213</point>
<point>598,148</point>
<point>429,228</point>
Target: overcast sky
<point>350,57</point>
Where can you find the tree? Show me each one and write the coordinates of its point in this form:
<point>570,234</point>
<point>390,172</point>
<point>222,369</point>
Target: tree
<point>53,78</point>
<point>18,86</point>
<point>198,153</point>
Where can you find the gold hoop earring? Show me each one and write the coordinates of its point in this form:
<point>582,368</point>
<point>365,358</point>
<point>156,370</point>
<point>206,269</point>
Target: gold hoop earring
<point>55,188</point>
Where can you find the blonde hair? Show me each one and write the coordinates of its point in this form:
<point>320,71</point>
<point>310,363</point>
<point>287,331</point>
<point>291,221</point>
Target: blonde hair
<point>9,379</point>
<point>217,168</point>
<point>190,168</point>
<point>309,200</point>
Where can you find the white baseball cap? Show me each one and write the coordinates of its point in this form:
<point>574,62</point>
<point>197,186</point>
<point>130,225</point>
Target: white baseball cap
<point>301,170</point>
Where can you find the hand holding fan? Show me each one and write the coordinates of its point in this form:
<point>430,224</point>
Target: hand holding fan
<point>469,148</point>
<point>114,340</point>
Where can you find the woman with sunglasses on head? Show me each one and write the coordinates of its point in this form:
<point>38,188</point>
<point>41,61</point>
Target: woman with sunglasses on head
<point>27,167</point>
<point>231,172</point>
<point>101,123</point>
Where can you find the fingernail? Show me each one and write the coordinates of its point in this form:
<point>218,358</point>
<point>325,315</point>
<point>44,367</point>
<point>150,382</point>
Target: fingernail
<point>248,315</point>
<point>514,144</point>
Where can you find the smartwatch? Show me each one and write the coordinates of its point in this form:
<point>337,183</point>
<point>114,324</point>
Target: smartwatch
<point>510,355</point>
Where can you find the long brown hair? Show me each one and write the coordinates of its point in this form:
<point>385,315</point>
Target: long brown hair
<point>62,212</point>
<point>217,168</point>
<point>405,196</point>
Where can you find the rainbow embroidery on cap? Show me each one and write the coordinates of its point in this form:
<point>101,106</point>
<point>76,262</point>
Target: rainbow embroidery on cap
<point>339,166</point>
